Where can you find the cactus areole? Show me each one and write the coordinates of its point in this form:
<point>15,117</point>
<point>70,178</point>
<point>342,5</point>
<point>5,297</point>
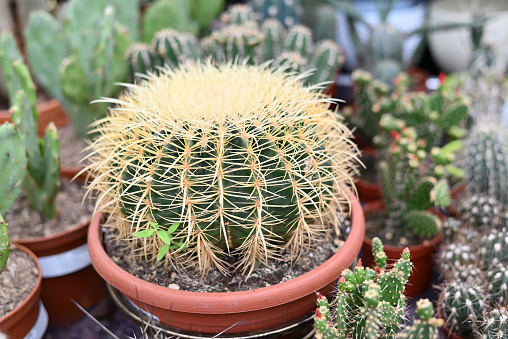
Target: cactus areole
<point>247,160</point>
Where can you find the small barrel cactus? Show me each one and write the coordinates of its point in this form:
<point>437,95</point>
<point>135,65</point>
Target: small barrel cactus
<point>480,211</point>
<point>497,280</point>
<point>174,48</point>
<point>238,14</point>
<point>299,40</point>
<point>242,159</point>
<point>239,42</point>
<point>494,248</point>
<point>495,324</point>
<point>140,59</point>
<point>274,34</point>
<point>288,12</point>
<point>463,306</point>
<point>451,227</point>
<point>454,256</point>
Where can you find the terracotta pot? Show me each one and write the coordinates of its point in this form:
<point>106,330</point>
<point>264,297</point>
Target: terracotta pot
<point>368,191</point>
<point>50,110</point>
<point>66,268</point>
<point>253,310</point>
<point>447,332</point>
<point>29,319</point>
<point>422,256</point>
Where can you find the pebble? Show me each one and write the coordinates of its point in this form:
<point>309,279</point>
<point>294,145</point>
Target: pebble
<point>174,286</point>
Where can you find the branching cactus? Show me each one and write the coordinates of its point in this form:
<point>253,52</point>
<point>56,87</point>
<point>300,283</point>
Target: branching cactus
<point>43,165</point>
<point>80,59</point>
<point>239,42</point>
<point>495,324</point>
<point>463,306</point>
<point>141,60</point>
<point>5,245</point>
<point>244,164</point>
<point>369,303</point>
<point>485,162</point>
<point>408,192</point>
<point>174,48</point>
<point>426,327</point>
<point>288,12</point>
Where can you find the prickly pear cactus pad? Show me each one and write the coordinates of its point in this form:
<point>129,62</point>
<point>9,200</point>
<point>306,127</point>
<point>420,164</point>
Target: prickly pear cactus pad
<point>245,159</point>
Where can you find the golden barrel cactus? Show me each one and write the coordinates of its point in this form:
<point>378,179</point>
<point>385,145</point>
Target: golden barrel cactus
<point>245,159</point>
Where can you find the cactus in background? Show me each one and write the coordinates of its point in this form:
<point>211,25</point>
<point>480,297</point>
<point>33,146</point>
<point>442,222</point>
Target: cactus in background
<point>486,162</point>
<point>43,164</point>
<point>497,280</point>
<point>495,324</point>
<point>326,60</point>
<point>494,248</point>
<point>239,42</point>
<point>299,40</point>
<point>463,306</point>
<point>451,228</point>
<point>174,48</point>
<point>321,17</point>
<point>12,165</point>
<point>288,12</point>
<point>168,14</point>
<point>408,192</point>
<point>80,59</point>
<point>5,245</point>
<point>141,60</point>
<point>454,256</point>
<point>480,211</point>
<point>238,14</point>
<point>368,302</point>
<point>202,154</point>
<point>274,34</point>
<point>204,12</point>
<point>426,327</point>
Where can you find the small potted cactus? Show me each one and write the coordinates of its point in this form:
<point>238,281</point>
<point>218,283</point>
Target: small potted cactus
<point>372,304</point>
<point>222,162</point>
<point>17,317</point>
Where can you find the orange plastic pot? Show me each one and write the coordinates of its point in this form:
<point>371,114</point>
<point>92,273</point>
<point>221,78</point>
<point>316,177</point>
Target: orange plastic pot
<point>422,256</point>
<point>66,269</point>
<point>27,320</point>
<point>49,111</point>
<point>239,312</point>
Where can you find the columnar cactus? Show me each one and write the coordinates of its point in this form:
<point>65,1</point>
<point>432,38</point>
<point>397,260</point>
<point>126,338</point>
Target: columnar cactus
<point>495,324</point>
<point>486,162</point>
<point>80,59</point>
<point>288,12</point>
<point>43,165</point>
<point>370,303</point>
<point>141,60</point>
<point>426,326</point>
<point>228,168</point>
<point>174,48</point>
<point>463,306</point>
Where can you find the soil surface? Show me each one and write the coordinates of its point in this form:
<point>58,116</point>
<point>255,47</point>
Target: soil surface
<point>17,281</point>
<point>72,148</point>
<point>190,280</point>
<point>23,222</point>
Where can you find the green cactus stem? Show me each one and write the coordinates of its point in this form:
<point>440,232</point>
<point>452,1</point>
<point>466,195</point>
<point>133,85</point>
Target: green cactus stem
<point>327,58</point>
<point>494,248</point>
<point>274,34</point>
<point>227,170</point>
<point>141,60</point>
<point>426,327</point>
<point>174,48</point>
<point>299,40</point>
<point>497,280</point>
<point>5,245</point>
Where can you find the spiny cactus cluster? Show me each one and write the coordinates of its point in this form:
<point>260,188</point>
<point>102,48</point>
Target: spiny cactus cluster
<point>43,154</point>
<point>243,39</point>
<point>371,303</point>
<point>79,58</point>
<point>245,159</point>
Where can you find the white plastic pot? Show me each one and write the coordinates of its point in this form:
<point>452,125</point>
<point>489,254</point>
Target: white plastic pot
<point>452,49</point>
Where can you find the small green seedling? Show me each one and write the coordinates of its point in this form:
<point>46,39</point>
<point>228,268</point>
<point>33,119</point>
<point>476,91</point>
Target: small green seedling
<point>165,236</point>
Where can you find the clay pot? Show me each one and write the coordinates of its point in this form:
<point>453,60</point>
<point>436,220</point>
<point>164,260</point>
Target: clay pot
<point>66,269</point>
<point>249,311</point>
<point>29,319</point>
<point>422,256</point>
<point>50,110</point>
<point>368,191</point>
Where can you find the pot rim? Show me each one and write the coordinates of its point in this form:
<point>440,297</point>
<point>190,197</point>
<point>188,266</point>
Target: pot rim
<point>33,298</point>
<point>229,302</point>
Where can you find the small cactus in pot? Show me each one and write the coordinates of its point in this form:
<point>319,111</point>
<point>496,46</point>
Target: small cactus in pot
<point>243,164</point>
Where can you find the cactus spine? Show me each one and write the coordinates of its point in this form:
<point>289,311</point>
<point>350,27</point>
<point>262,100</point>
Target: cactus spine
<point>227,170</point>
<point>78,60</point>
